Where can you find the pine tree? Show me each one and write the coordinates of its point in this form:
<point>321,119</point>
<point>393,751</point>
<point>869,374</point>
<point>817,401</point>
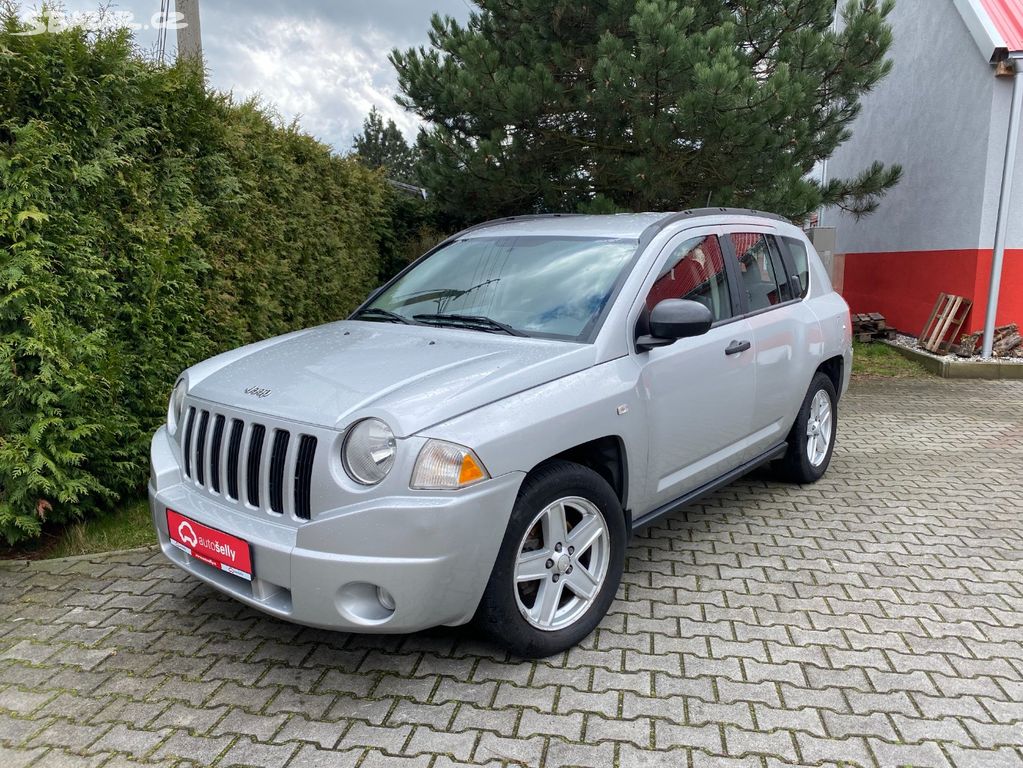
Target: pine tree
<point>384,146</point>
<point>601,105</point>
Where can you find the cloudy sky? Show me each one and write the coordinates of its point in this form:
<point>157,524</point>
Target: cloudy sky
<point>322,61</point>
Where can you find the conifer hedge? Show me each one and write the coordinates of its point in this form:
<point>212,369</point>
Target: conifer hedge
<point>145,224</point>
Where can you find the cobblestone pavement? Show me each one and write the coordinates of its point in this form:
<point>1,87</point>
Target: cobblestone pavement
<point>875,618</point>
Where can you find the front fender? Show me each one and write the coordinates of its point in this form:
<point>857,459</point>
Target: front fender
<point>521,431</point>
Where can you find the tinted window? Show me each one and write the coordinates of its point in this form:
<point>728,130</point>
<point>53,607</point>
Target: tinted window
<point>781,274</point>
<point>801,261</point>
<point>696,271</point>
<point>546,286</point>
<point>762,274</point>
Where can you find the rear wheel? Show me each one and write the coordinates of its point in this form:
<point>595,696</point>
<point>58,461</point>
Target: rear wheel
<point>560,562</point>
<point>812,439</point>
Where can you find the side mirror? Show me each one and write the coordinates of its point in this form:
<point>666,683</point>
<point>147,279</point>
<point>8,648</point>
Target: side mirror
<point>674,319</point>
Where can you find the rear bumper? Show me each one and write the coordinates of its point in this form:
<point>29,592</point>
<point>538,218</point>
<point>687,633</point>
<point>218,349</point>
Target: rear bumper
<point>432,552</point>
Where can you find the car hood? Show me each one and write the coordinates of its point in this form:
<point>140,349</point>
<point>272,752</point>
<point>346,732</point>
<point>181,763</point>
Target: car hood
<point>411,376</point>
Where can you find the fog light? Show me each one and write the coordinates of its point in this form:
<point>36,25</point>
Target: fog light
<point>385,598</point>
<point>363,603</point>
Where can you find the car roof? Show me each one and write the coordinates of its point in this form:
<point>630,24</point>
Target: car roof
<point>626,225</point>
<point>631,226</point>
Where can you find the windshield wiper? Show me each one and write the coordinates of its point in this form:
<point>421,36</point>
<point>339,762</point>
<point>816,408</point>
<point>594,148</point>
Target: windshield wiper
<point>435,294</point>
<point>474,322</point>
<point>382,314</point>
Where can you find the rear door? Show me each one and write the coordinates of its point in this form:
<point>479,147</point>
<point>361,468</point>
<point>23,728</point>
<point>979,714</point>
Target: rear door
<point>783,329</point>
<point>700,391</point>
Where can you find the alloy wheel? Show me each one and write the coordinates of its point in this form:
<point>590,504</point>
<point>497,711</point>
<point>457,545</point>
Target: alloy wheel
<point>562,562</point>
<point>819,428</point>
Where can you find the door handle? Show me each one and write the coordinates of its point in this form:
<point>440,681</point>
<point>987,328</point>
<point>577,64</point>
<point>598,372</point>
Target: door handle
<point>736,347</point>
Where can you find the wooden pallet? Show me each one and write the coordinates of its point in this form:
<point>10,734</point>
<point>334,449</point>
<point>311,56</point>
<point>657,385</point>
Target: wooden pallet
<point>870,327</point>
<point>945,322</point>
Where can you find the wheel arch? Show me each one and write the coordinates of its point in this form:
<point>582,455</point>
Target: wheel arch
<point>834,369</point>
<point>604,455</point>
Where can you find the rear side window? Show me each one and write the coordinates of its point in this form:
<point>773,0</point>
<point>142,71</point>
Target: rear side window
<point>761,270</point>
<point>695,270</point>
<point>781,274</point>
<point>801,262</point>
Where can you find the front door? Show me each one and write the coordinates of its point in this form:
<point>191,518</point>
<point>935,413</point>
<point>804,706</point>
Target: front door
<point>700,390</point>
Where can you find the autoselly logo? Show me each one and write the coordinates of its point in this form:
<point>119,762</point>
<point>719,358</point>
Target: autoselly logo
<point>186,534</point>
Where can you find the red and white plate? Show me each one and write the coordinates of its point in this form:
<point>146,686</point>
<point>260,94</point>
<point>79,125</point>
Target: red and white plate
<point>213,547</point>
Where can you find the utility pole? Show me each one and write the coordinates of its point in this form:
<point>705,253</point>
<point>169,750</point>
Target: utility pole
<point>190,33</point>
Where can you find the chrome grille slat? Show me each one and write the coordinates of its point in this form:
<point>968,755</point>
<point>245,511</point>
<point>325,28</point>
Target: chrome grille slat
<point>243,462</point>
<point>288,480</point>
<point>264,469</point>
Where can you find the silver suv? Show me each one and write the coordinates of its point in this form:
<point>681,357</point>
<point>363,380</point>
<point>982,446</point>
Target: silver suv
<point>482,436</point>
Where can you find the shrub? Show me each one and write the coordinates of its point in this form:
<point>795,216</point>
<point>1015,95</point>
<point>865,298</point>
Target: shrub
<point>146,222</point>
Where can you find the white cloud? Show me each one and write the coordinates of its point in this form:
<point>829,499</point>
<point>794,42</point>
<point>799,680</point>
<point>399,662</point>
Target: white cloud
<point>322,62</point>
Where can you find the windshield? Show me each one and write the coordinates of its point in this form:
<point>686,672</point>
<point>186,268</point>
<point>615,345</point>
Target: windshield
<point>534,285</point>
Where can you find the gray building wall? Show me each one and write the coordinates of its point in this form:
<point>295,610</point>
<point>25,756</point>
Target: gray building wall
<point>933,115</point>
<point>1000,105</point>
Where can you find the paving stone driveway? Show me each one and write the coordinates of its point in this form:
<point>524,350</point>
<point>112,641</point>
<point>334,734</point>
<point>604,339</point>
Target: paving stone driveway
<point>875,618</point>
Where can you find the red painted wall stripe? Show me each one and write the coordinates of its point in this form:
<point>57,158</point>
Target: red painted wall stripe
<point>904,285</point>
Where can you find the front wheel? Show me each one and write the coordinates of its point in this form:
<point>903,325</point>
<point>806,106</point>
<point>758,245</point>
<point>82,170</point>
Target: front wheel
<point>559,565</point>
<point>812,439</point>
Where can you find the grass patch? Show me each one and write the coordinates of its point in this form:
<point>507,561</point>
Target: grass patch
<point>126,528</point>
<point>879,360</point>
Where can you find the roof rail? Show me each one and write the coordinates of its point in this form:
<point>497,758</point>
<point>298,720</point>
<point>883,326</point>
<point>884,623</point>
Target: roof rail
<point>732,212</point>
<point>672,218</point>
<point>648,233</point>
<point>509,219</point>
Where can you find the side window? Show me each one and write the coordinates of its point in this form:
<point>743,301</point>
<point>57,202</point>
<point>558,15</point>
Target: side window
<point>781,275</point>
<point>762,272</point>
<point>801,261</point>
<point>696,271</point>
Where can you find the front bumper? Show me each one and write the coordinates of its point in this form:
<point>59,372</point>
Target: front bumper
<point>432,551</point>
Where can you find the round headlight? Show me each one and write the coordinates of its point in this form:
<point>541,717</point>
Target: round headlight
<point>176,406</point>
<point>368,451</point>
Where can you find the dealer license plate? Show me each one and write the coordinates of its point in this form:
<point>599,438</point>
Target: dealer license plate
<point>213,547</point>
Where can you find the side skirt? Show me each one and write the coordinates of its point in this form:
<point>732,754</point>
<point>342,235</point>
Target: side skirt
<point>682,501</point>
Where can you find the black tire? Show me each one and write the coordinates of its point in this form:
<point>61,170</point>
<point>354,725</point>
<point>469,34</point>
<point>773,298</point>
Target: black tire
<point>499,615</point>
<point>796,466</point>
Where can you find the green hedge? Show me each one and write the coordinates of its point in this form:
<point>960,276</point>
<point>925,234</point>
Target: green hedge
<point>145,224</point>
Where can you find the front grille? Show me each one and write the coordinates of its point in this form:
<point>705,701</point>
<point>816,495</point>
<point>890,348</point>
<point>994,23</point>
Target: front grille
<point>225,455</point>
